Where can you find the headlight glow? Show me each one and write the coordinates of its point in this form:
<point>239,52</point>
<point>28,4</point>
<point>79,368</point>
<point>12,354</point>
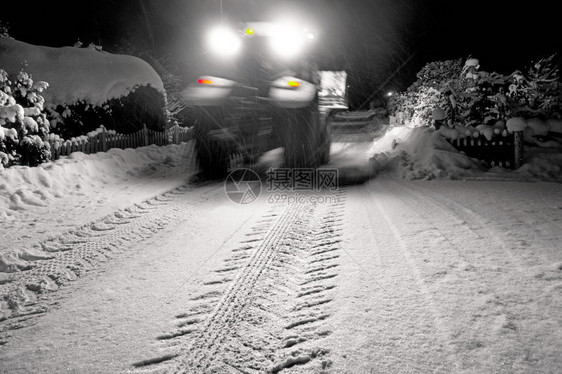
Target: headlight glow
<point>224,42</point>
<point>287,40</point>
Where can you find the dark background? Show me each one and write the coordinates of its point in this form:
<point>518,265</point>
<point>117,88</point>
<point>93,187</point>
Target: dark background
<point>382,44</point>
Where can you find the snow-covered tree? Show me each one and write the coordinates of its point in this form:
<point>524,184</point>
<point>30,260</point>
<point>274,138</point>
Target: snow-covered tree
<point>23,124</point>
<point>536,93</point>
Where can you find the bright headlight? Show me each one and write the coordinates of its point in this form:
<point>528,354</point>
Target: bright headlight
<point>288,40</point>
<point>224,41</point>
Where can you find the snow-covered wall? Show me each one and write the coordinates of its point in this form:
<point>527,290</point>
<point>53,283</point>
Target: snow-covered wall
<point>78,74</point>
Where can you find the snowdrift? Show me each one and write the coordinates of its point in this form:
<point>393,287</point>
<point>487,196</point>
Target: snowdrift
<point>78,74</point>
<point>419,153</point>
<point>423,153</point>
<point>49,199</point>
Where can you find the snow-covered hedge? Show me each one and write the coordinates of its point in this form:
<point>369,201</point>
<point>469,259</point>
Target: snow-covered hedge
<point>143,105</point>
<point>89,87</point>
<point>23,124</point>
<point>469,96</point>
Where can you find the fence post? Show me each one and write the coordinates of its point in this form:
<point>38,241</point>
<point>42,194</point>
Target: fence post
<point>103,139</point>
<point>145,133</point>
<point>518,148</point>
<point>176,135</point>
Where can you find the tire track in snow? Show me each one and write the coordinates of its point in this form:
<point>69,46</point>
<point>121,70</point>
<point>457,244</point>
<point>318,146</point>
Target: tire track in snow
<point>485,228</point>
<point>413,336</point>
<point>80,250</point>
<point>272,315</point>
<point>496,307</point>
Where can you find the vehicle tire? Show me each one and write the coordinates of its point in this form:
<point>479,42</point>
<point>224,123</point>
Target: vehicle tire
<point>212,155</point>
<point>324,145</point>
<point>304,138</point>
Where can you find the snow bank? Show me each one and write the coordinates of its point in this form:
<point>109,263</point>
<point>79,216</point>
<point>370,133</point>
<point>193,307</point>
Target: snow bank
<point>419,153</point>
<point>49,199</point>
<point>78,74</point>
<point>543,164</point>
<point>423,153</point>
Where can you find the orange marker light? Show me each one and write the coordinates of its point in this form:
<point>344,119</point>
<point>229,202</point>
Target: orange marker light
<point>204,81</point>
<point>293,83</point>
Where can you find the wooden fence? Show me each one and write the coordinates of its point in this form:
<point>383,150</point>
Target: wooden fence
<point>106,140</point>
<point>503,151</point>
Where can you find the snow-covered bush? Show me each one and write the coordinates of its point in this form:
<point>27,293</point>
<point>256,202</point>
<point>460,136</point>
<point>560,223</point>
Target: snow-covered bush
<point>473,97</point>
<point>143,105</point>
<point>23,124</point>
<point>169,69</point>
<point>90,87</point>
<point>536,93</point>
<point>437,74</point>
<point>426,93</point>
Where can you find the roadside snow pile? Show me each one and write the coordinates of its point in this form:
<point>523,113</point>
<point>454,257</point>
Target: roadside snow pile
<point>78,74</point>
<point>48,199</point>
<point>419,153</point>
<point>542,163</point>
<point>423,153</point>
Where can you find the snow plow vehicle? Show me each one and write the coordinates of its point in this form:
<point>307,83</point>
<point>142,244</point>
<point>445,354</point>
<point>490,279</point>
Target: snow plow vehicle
<point>263,95</point>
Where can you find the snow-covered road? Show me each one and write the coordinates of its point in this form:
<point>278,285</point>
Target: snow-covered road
<point>389,276</point>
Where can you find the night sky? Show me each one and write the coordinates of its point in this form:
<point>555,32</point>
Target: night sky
<point>381,43</point>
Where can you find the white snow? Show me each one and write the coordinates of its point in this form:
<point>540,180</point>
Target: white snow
<point>78,74</point>
<point>47,200</point>
<point>430,276</point>
<point>422,153</point>
<point>432,264</point>
<point>11,113</point>
<point>516,124</point>
<point>42,202</point>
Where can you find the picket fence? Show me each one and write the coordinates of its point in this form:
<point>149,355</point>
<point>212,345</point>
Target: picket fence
<point>503,150</point>
<point>106,140</point>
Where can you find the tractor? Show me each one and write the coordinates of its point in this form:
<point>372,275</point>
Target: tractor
<point>262,94</point>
